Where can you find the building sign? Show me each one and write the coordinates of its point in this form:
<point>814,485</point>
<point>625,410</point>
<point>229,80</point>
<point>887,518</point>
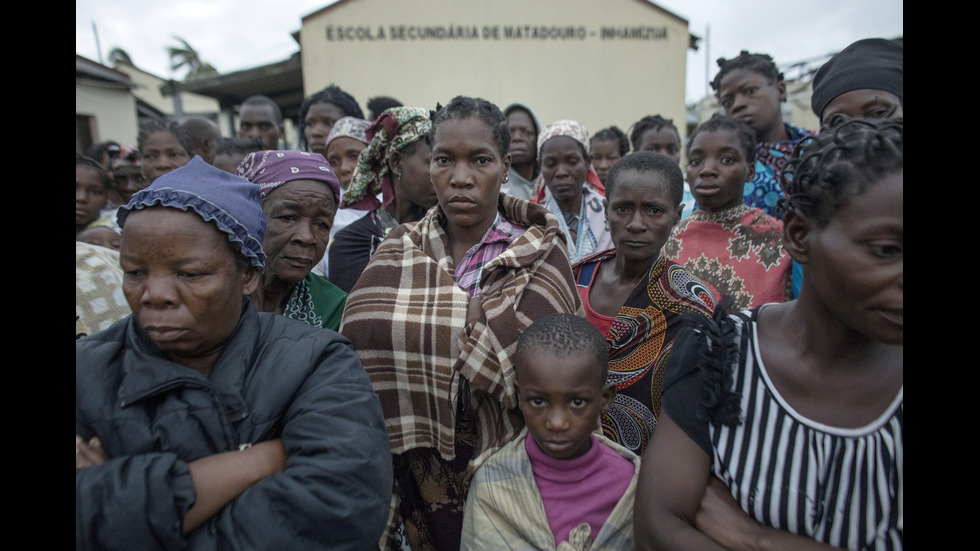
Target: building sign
<point>565,59</point>
<point>349,33</point>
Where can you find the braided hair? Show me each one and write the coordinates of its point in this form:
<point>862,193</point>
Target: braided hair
<point>152,126</point>
<point>650,122</point>
<point>613,134</point>
<point>759,63</point>
<point>741,129</point>
<point>564,334</point>
<point>331,94</point>
<point>840,163</point>
<point>462,107</point>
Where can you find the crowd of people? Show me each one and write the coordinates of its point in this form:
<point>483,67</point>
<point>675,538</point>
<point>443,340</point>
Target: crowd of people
<point>459,328</point>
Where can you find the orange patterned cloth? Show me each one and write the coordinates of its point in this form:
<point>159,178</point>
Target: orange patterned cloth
<point>640,340</point>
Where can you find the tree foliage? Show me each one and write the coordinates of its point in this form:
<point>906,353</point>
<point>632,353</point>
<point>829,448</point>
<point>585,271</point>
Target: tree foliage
<point>186,57</point>
<point>118,55</point>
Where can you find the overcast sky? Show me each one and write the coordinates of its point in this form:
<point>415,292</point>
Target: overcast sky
<point>233,35</point>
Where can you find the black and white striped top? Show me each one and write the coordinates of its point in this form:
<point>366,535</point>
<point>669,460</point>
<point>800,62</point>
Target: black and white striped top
<point>843,487</point>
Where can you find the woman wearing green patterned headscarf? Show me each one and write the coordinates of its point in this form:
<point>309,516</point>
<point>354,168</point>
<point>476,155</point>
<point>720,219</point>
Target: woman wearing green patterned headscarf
<point>395,165</point>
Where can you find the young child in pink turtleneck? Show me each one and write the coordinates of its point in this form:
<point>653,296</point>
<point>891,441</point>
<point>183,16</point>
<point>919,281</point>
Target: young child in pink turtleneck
<point>558,481</point>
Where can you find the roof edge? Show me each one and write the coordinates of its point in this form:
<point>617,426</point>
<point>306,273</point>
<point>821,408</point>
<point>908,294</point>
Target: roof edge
<point>647,3</point>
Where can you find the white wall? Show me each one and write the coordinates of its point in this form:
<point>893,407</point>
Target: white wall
<point>113,110</point>
<point>147,89</point>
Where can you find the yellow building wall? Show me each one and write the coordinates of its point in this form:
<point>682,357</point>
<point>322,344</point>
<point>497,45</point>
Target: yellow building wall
<point>601,63</point>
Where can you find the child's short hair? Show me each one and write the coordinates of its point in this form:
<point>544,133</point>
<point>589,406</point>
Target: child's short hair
<point>746,134</point>
<point>650,122</point>
<point>259,99</point>
<point>760,63</point>
<point>614,134</point>
<point>841,162</point>
<point>649,161</point>
<point>562,335</point>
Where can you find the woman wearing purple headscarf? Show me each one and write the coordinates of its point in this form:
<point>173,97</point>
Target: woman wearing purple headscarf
<point>300,194</point>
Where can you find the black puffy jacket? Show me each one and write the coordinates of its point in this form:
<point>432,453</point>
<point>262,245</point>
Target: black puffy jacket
<point>276,378</point>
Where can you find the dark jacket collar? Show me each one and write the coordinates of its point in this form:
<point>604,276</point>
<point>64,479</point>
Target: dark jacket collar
<point>148,372</point>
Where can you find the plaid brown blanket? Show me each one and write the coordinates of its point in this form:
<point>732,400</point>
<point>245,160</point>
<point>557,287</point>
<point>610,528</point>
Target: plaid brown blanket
<point>407,319</point>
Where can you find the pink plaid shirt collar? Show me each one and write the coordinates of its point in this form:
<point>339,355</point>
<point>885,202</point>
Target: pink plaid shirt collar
<point>499,236</point>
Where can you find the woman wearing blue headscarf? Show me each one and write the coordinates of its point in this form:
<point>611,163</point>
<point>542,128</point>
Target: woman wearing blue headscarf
<point>202,423</point>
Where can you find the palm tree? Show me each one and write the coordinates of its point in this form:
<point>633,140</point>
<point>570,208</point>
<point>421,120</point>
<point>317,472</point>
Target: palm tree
<point>187,57</point>
<point>118,55</point>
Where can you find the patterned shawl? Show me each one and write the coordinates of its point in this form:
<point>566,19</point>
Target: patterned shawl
<point>99,299</point>
<point>640,341</point>
<point>317,302</point>
<point>407,320</point>
<point>592,233</point>
<point>737,252</point>
<point>764,191</point>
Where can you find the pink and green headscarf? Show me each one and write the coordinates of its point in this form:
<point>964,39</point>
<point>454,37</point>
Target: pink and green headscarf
<point>395,129</point>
